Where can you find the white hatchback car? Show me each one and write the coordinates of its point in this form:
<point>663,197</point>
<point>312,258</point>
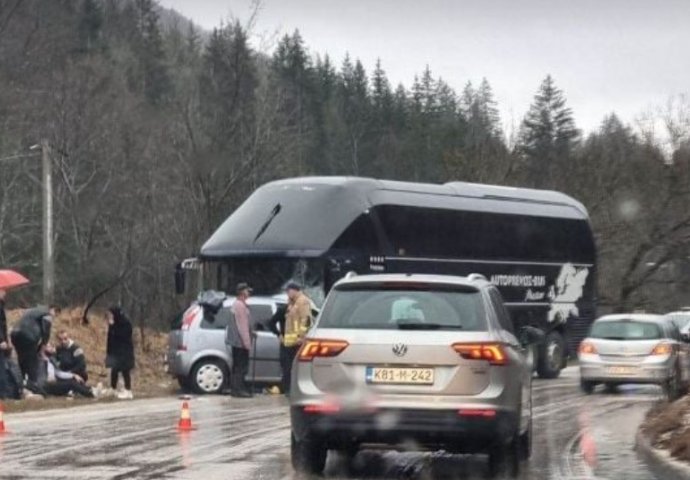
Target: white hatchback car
<point>635,348</point>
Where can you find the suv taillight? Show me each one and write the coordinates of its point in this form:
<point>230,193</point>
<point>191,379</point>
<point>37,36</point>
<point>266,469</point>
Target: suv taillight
<point>494,353</point>
<point>313,348</point>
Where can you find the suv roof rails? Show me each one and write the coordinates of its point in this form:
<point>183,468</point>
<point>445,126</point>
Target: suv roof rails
<point>476,276</point>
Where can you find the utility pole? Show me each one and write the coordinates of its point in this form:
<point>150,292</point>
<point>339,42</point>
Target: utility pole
<point>48,250</point>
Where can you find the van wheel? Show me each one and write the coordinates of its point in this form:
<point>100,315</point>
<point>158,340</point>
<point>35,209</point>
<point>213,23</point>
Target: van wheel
<point>551,356</point>
<point>307,456</point>
<point>208,376</point>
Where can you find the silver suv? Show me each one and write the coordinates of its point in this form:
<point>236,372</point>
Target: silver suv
<point>413,361</point>
<point>197,354</point>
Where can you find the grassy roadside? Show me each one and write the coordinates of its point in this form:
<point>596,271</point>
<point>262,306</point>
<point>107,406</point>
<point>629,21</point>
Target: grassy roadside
<point>667,426</point>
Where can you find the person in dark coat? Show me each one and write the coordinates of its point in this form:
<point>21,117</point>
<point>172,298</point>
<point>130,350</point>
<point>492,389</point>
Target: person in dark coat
<point>277,326</point>
<point>5,350</point>
<point>29,336</point>
<point>120,351</point>
<point>70,356</point>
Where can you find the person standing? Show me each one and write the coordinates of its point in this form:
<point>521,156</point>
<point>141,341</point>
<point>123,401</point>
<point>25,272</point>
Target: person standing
<point>240,340</point>
<point>298,320</point>
<point>70,356</point>
<point>120,351</point>
<point>29,336</point>
<point>5,350</point>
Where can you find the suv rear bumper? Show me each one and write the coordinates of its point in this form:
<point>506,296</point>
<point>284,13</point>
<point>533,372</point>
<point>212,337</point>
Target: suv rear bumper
<point>427,428</point>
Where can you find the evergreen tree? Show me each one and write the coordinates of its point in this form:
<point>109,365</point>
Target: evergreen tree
<point>153,69</point>
<point>90,24</point>
<point>355,107</point>
<point>548,134</point>
<point>292,68</point>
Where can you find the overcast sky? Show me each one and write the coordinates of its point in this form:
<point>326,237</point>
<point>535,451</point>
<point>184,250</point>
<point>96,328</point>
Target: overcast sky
<point>607,55</point>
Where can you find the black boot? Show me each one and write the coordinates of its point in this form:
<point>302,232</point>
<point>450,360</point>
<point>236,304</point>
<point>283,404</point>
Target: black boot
<point>237,387</point>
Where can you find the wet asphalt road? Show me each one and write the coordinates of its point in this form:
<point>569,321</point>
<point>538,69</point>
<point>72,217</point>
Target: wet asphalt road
<point>576,437</point>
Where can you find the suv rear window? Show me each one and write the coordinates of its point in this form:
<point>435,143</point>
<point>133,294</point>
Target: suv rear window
<point>404,309</point>
<point>626,330</point>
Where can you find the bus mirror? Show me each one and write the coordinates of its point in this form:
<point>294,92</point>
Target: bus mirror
<point>180,279</point>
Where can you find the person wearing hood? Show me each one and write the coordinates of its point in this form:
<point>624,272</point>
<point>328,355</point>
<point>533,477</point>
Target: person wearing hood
<point>29,336</point>
<point>120,351</point>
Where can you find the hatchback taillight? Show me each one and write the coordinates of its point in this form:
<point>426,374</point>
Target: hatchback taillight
<point>663,349</point>
<point>587,348</point>
<point>494,353</point>
<point>314,348</point>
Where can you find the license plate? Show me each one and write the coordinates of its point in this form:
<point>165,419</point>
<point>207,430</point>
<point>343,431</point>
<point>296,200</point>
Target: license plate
<point>400,376</point>
<point>621,370</point>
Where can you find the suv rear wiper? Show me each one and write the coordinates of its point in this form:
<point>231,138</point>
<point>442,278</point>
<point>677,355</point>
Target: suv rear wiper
<point>427,326</point>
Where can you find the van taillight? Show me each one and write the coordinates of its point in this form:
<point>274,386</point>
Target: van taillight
<point>494,353</point>
<point>189,317</point>
<point>314,348</point>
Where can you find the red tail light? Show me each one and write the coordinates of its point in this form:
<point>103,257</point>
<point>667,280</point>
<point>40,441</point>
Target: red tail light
<point>481,413</point>
<point>313,348</point>
<point>322,409</point>
<point>587,348</point>
<point>494,353</point>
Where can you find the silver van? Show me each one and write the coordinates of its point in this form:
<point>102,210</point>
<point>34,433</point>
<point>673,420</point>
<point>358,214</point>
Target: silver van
<point>197,353</point>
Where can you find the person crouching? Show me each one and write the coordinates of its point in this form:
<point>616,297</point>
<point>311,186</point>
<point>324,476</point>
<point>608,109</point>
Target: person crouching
<point>55,382</point>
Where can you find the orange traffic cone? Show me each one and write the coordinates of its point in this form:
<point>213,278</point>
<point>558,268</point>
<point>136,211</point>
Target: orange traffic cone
<point>2,421</point>
<point>185,423</point>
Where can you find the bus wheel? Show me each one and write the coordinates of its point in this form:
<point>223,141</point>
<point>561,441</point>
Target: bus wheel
<point>551,356</point>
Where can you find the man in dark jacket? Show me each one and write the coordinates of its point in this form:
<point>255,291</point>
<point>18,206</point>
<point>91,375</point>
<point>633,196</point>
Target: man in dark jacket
<point>32,333</point>
<point>70,356</point>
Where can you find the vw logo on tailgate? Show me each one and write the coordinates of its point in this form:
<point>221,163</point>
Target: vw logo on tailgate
<point>400,349</point>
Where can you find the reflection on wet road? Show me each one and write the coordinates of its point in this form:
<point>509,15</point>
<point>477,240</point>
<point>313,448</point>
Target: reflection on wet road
<point>576,437</point>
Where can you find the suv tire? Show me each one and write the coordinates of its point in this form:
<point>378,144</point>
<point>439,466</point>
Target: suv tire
<point>551,356</point>
<point>208,376</point>
<point>504,459</point>
<point>307,456</point>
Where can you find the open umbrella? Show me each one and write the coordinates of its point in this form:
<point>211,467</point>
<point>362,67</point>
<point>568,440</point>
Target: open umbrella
<point>11,279</point>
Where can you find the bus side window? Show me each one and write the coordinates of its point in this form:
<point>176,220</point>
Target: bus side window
<point>500,309</point>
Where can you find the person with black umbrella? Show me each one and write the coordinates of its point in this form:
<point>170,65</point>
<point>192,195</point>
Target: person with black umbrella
<point>120,351</point>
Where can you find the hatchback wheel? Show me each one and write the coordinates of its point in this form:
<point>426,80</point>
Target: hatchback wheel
<point>551,356</point>
<point>307,456</point>
<point>672,386</point>
<point>587,387</point>
<point>208,376</point>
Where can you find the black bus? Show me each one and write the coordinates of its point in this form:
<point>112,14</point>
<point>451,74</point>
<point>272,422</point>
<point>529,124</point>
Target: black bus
<point>535,246</point>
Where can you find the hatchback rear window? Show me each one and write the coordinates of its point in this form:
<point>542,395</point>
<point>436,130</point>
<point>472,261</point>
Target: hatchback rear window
<point>404,309</point>
<point>626,330</point>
